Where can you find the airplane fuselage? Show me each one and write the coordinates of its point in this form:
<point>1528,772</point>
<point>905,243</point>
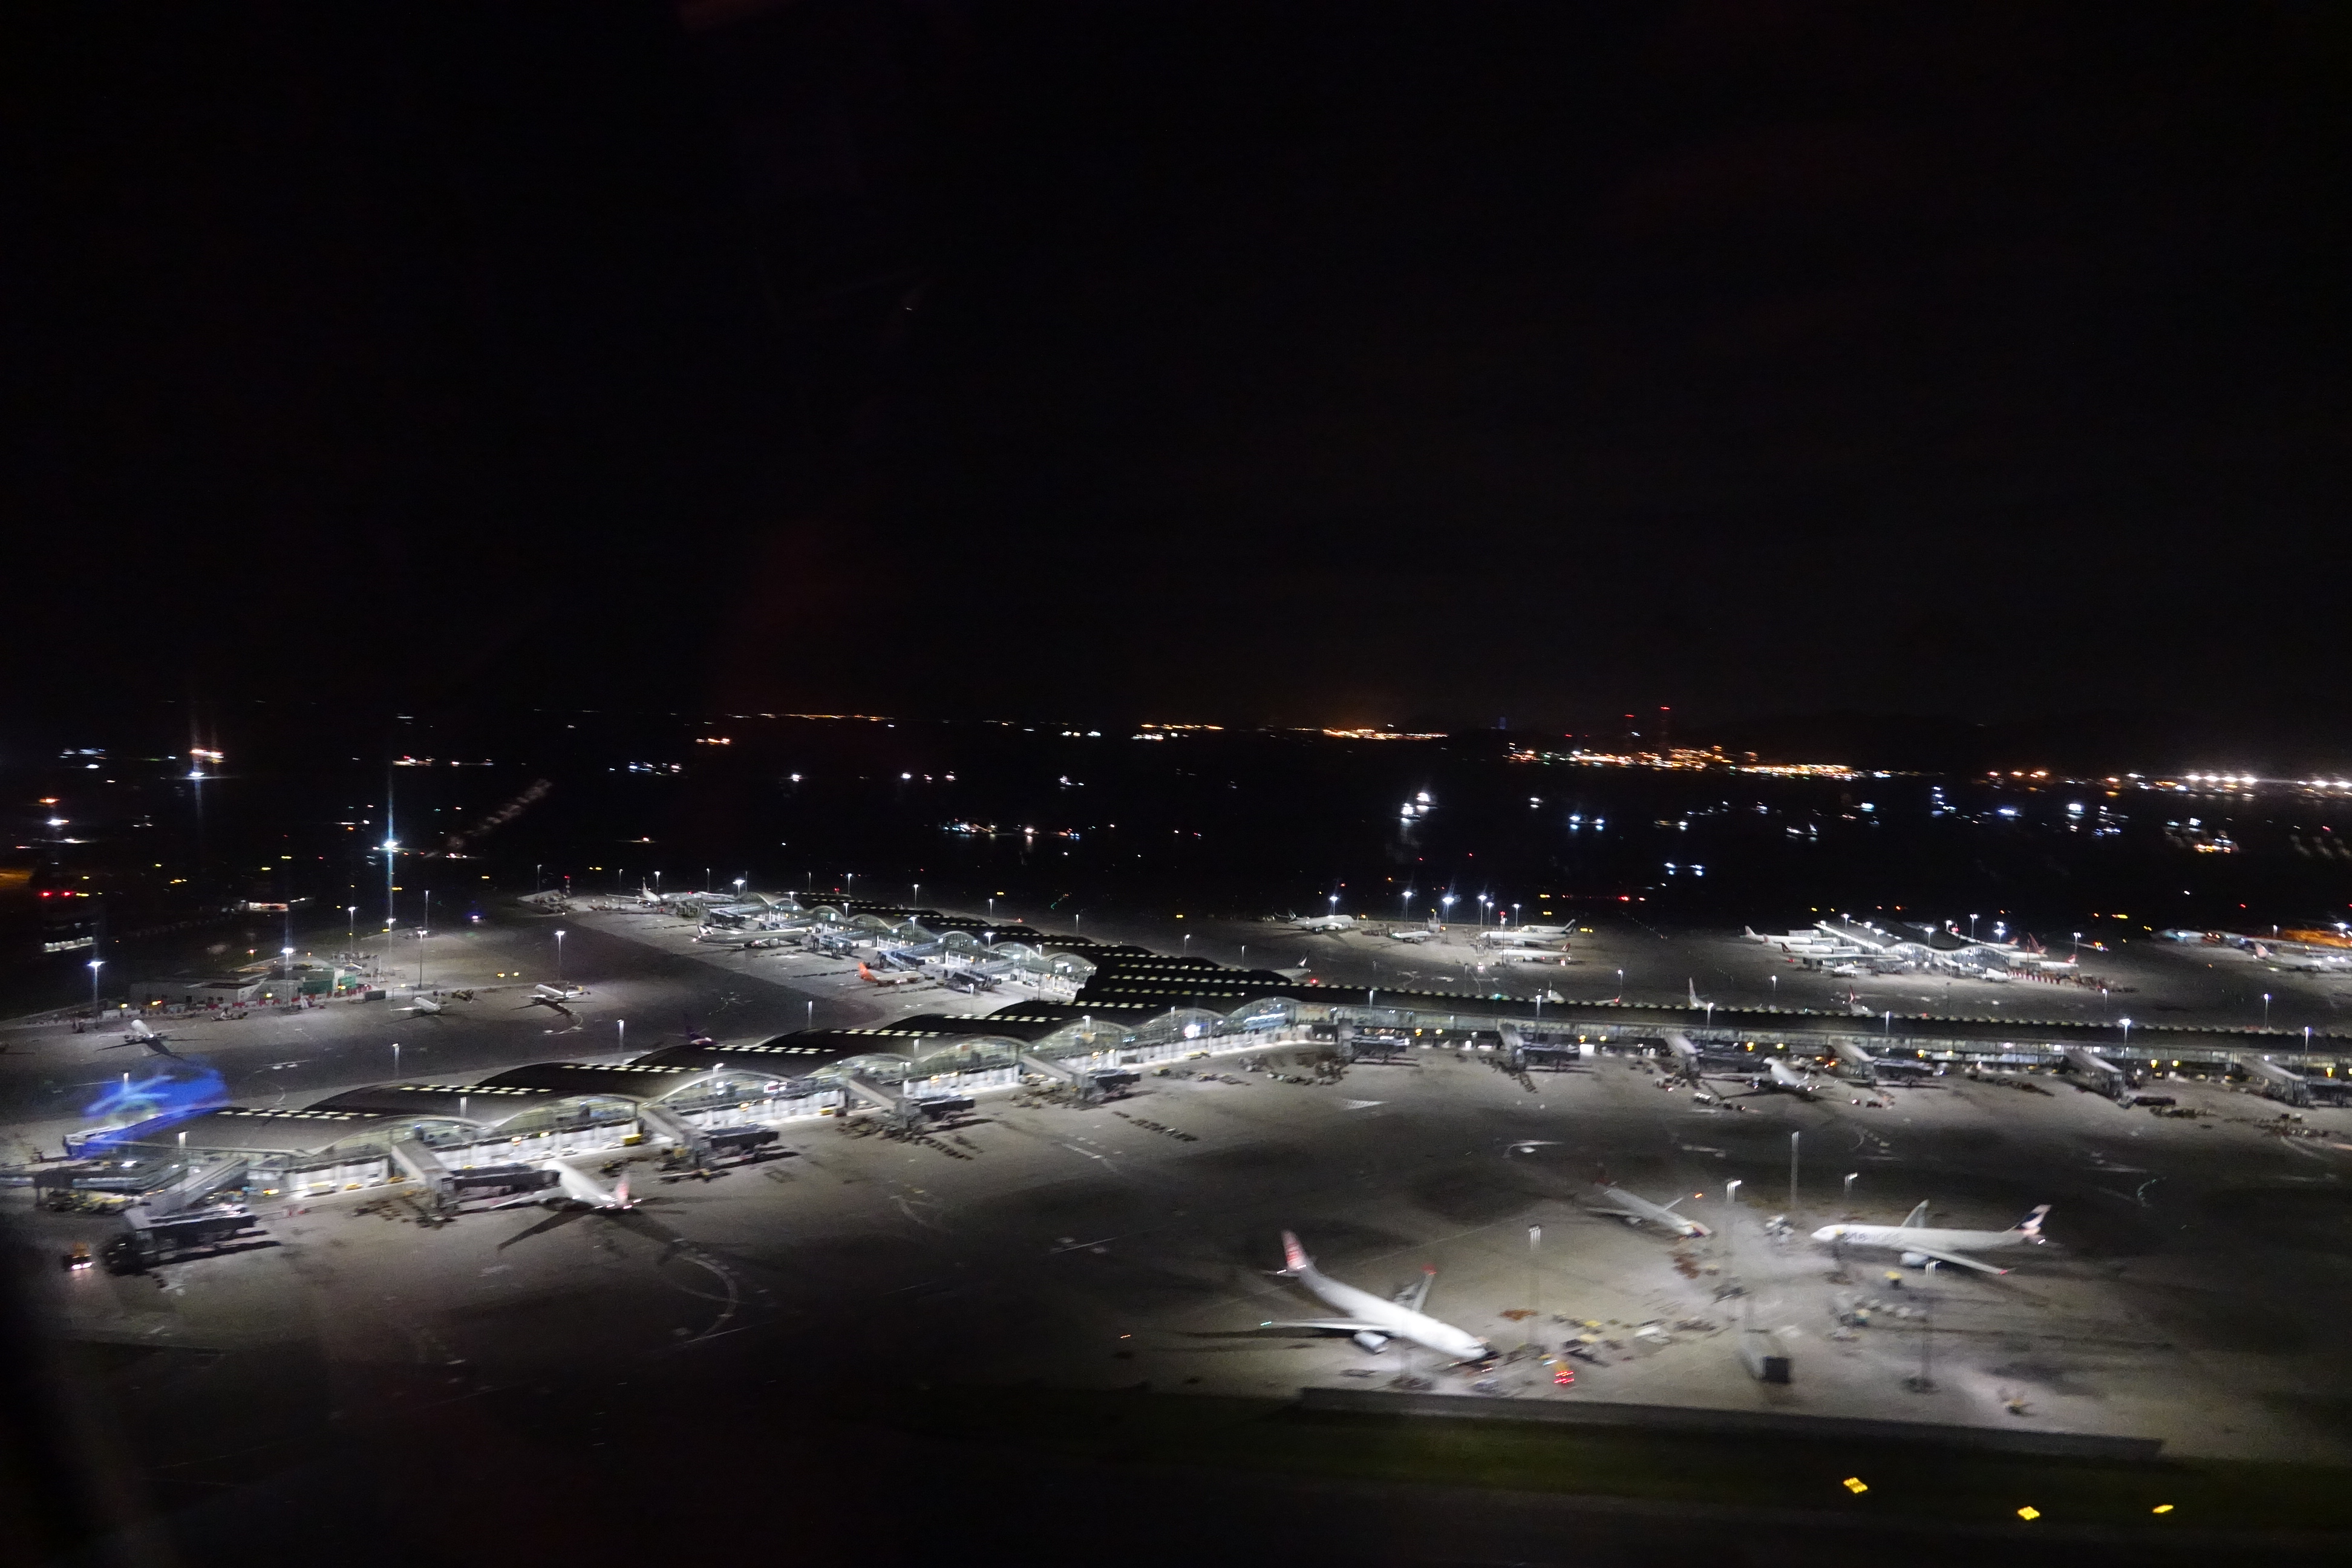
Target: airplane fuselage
<point>1921,1239</point>
<point>1392,1319</point>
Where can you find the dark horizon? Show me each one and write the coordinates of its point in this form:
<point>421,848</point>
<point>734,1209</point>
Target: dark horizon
<point>1285,365</point>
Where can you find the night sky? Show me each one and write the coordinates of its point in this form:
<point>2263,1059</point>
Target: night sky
<point>1261,362</point>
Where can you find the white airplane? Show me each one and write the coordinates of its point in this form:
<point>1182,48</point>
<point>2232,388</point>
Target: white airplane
<point>572,1190</point>
<point>1534,955</point>
<point>1323,923</point>
<point>141,1034</point>
<point>1371,1322</point>
<point>1411,933</point>
<point>2292,958</point>
<point>425,1005</point>
<point>554,1000</point>
<point>1522,936</point>
<point>1641,1211</point>
<point>889,977</point>
<point>1780,1075</point>
<point>1919,1244</point>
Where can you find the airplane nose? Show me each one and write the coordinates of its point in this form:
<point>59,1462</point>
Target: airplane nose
<point>1829,1233</point>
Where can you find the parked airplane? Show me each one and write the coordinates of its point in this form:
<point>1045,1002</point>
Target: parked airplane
<point>573,1190</point>
<point>1411,933</point>
<point>1780,1075</point>
<point>141,1034</point>
<point>1636,1210</point>
<point>554,1000</point>
<point>1371,1322</point>
<point>1522,936</point>
<point>425,1006</point>
<point>896,977</point>
<point>1323,923</point>
<point>1920,1243</point>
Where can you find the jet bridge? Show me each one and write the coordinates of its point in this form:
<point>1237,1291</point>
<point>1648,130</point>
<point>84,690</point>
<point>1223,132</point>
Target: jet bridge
<point>2274,1081</point>
<point>907,1111</point>
<point>203,1178</point>
<point>2101,1074</point>
<point>423,1167</point>
<point>1862,1064</point>
<point>667,1122</point>
<point>1092,1083</point>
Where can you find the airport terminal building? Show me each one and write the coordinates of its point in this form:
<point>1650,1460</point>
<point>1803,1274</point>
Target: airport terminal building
<point>1126,1010</point>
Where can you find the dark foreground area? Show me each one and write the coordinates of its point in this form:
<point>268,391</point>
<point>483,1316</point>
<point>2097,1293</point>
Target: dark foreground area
<point>713,1461</point>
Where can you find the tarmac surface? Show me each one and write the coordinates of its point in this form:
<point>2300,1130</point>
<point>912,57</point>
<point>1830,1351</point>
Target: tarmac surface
<point>2191,1291</point>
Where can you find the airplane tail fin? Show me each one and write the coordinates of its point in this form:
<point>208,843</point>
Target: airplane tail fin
<point>1294,1257</point>
<point>1670,1205</point>
<point>2031,1223</point>
<point>1693,992</point>
<point>621,1192</point>
<point>1916,1217</point>
<point>863,973</point>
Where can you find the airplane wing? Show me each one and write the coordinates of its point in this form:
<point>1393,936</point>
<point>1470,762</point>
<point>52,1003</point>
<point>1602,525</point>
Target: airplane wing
<point>1961,1259</point>
<point>1336,1325</point>
<point>526,1201</point>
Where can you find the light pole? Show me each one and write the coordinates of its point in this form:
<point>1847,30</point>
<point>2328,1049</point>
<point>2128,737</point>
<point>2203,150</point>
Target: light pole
<point>350,928</point>
<point>2266,1009</point>
<point>1847,1196</point>
<point>1482,911</point>
<point>558,961</point>
<point>1621,990</point>
<point>395,1060</point>
<point>2078,949</point>
<point>1973,928</point>
<point>536,866</point>
<point>992,906</point>
<point>95,965</point>
<point>390,913</point>
<point>1404,906</point>
<point>1792,1170</point>
<point>1445,907</point>
<point>1518,918</point>
<point>812,1013</point>
<point>1535,1281</point>
<point>918,895</point>
<point>621,1035</point>
<point>1335,904</point>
